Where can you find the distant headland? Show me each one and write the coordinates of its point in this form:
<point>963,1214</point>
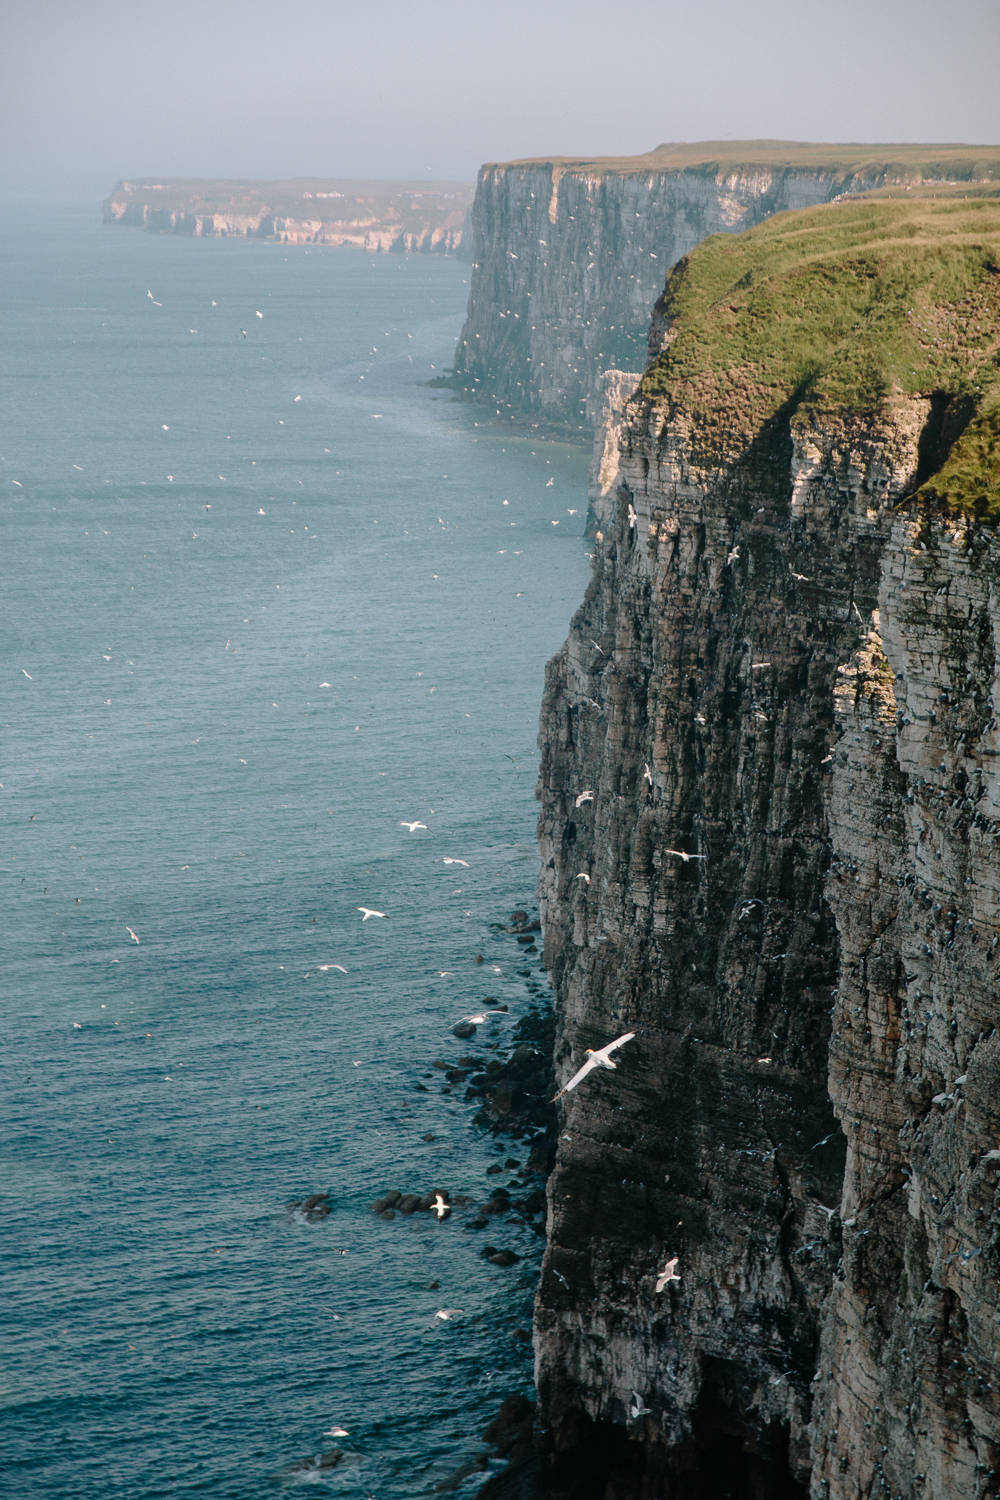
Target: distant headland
<point>398,217</point>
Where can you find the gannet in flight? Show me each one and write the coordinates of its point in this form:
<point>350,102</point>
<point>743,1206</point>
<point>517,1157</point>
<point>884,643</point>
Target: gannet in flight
<point>444,860</point>
<point>441,1207</point>
<point>647,774</point>
<point>369,911</point>
<point>445,1313</point>
<point>131,934</point>
<point>667,1274</point>
<point>683,854</point>
<point>583,876</point>
<point>323,967</point>
<point>596,1058</point>
<point>638,1407</point>
<point>733,556</point>
<point>584,797</point>
<point>480,1017</point>
<point>411,826</point>
<point>333,1431</point>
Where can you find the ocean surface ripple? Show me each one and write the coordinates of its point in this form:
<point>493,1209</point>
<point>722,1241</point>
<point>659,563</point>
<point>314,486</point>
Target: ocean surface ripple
<point>263,599</point>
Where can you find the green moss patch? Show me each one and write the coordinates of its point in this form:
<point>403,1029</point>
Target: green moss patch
<point>833,314</point>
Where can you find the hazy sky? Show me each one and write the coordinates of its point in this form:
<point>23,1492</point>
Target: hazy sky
<point>90,92</point>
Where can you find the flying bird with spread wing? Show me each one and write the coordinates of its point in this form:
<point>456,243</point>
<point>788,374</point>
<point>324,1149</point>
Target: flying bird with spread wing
<point>596,1058</point>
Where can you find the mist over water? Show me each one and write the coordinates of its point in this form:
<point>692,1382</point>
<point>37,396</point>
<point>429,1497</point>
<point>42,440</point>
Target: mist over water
<point>223,690</point>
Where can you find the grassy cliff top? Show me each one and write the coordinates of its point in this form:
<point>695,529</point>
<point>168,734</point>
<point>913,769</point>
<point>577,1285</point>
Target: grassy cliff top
<point>297,198</point>
<point>909,163</point>
<point>834,315</point>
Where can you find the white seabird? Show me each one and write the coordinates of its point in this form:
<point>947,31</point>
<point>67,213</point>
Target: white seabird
<point>668,1273</point>
<point>131,934</point>
<point>446,1313</point>
<point>480,1017</point>
<point>444,860</point>
<point>369,911</point>
<point>583,797</point>
<point>596,1058</point>
<point>441,1208</point>
<point>638,1407</point>
<point>411,826</point>
<point>684,855</point>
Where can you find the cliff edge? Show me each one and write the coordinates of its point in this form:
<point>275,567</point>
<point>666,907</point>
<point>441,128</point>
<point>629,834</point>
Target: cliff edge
<point>770,791</point>
<point>429,218</point>
<point>569,255</point>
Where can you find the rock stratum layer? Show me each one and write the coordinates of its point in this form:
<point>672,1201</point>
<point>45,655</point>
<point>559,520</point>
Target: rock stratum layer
<point>770,793</point>
<point>569,256</point>
<point>399,217</point>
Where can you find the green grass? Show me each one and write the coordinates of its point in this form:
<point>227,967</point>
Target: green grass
<point>832,317</point>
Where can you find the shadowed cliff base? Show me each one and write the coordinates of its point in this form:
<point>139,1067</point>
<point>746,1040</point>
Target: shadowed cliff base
<point>569,254</point>
<point>780,696</point>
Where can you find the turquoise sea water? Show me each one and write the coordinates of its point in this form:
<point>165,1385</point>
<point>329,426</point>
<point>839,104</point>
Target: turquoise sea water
<point>222,691</point>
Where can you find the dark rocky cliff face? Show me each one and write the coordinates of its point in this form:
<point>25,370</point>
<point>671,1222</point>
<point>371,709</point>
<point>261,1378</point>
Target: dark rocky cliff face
<point>785,669</point>
<point>569,257</point>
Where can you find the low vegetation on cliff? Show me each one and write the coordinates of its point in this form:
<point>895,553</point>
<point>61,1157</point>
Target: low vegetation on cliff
<point>839,311</point>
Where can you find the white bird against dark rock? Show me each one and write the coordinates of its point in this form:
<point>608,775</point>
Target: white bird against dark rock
<point>733,557</point>
<point>683,854</point>
<point>446,1313</point>
<point>668,1273</point>
<point>759,666</point>
<point>799,577</point>
<point>369,911</point>
<point>631,516</point>
<point>596,647</point>
<point>411,826</point>
<point>638,1407</point>
<point>857,611</point>
<point>131,934</point>
<point>596,1058</point>
<point>647,774</point>
<point>441,1208</point>
<point>584,797</point>
<point>583,876</point>
<point>444,860</point>
<point>828,1211</point>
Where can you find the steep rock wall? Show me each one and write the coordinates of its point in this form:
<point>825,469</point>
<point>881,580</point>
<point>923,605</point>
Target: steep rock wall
<point>785,670</point>
<point>569,257</point>
<point>568,264</point>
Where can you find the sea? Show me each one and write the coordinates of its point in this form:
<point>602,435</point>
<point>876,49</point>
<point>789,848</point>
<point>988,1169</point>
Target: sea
<point>268,597</point>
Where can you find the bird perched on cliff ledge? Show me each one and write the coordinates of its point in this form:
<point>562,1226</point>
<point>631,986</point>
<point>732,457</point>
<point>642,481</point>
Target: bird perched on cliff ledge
<point>601,1058</point>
